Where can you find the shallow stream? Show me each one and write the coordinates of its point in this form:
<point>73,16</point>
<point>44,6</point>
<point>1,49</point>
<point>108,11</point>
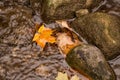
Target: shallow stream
<point>20,58</point>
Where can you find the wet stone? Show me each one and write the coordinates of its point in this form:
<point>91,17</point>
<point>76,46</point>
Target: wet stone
<point>101,30</point>
<point>82,12</point>
<point>64,9</point>
<point>89,61</point>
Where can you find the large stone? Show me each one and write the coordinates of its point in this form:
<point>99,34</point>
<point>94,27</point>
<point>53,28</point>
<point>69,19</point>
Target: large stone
<point>89,61</point>
<point>64,9</point>
<point>101,30</point>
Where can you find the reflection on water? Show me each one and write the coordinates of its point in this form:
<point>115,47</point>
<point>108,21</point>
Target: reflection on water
<point>20,59</point>
<point>109,6</point>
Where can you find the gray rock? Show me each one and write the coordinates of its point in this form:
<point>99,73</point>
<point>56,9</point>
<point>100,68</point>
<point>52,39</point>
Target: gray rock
<point>89,61</point>
<point>101,30</point>
<point>64,9</point>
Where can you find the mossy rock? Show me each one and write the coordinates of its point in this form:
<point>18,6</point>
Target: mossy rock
<point>101,30</point>
<point>89,61</point>
<point>64,9</point>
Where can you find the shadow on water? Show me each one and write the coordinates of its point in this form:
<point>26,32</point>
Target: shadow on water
<point>20,59</point>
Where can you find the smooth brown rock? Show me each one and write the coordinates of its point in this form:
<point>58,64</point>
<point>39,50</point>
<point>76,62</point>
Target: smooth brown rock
<point>89,61</point>
<point>101,30</point>
<point>64,9</point>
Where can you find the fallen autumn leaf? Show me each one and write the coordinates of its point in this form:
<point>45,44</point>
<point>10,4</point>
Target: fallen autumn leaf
<point>43,36</point>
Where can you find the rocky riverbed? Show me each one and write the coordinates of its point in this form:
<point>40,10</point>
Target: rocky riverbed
<point>20,58</point>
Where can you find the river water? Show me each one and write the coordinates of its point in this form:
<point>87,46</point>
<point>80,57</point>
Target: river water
<point>20,58</point>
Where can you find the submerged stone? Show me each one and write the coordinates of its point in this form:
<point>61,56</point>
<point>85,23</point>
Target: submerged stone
<point>89,61</point>
<point>64,9</point>
<point>101,30</point>
<point>81,12</point>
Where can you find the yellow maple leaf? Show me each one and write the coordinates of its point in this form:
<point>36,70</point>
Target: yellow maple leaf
<point>43,36</point>
<point>64,76</point>
<point>75,78</point>
<point>36,37</point>
<point>41,29</point>
<point>61,76</point>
